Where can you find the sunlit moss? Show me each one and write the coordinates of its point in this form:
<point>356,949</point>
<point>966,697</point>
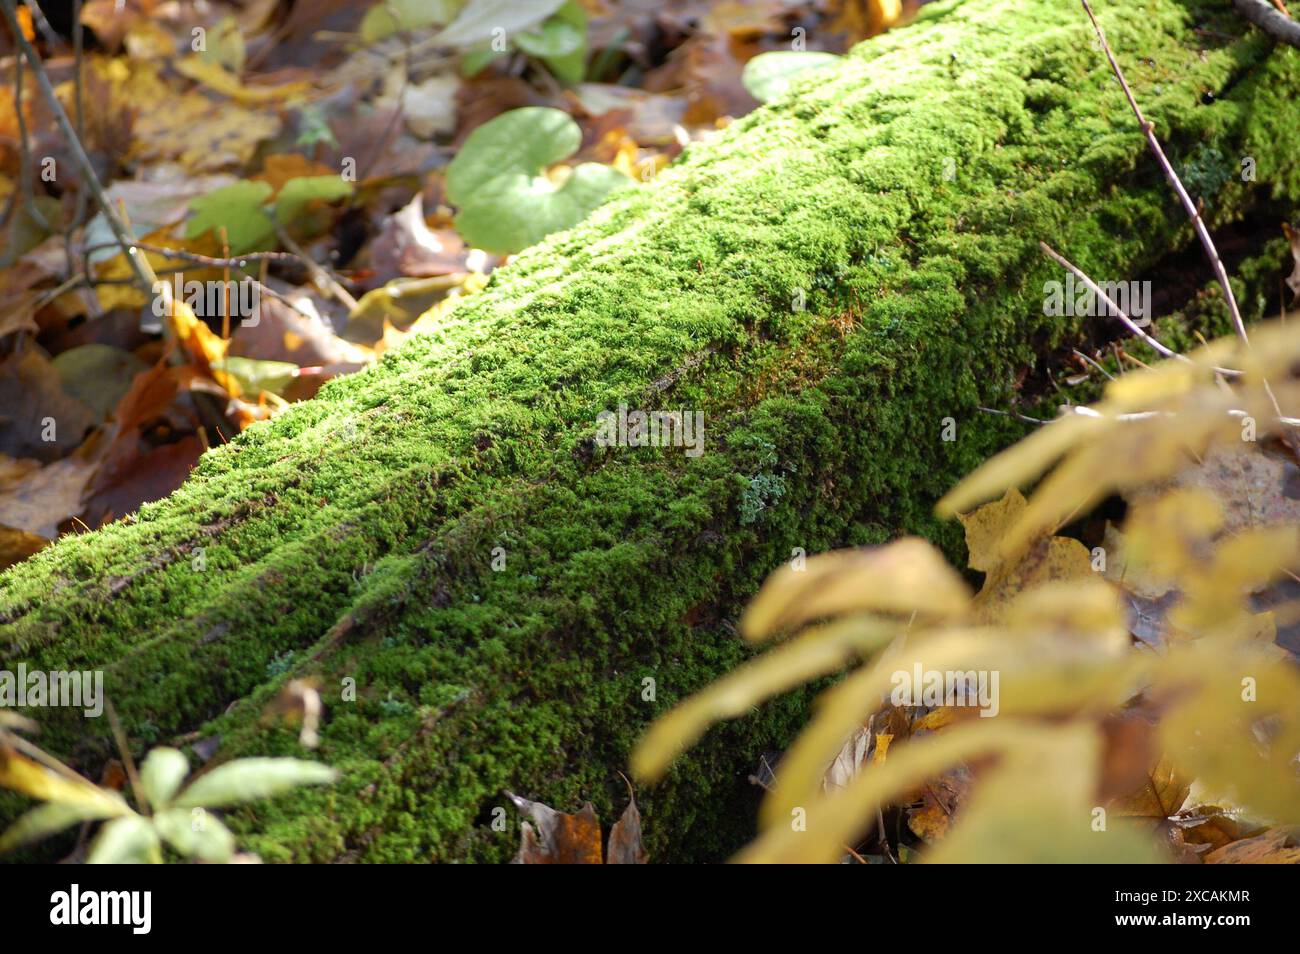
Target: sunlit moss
<point>900,200</point>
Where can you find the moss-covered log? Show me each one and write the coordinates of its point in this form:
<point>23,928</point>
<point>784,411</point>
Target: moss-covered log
<point>828,282</point>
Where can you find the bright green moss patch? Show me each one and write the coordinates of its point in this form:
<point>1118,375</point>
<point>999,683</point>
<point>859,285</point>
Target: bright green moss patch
<point>830,282</point>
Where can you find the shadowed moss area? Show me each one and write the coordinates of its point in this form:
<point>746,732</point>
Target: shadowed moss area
<point>828,281</point>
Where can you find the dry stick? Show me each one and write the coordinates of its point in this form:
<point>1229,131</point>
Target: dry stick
<point>26,186</point>
<point>52,39</point>
<point>1148,130</point>
<point>235,261</point>
<point>1270,20</point>
<point>1016,414</point>
<point>140,267</point>
<point>322,278</point>
<point>139,264</point>
<point>1115,309</point>
<point>241,262</point>
<point>79,121</point>
<point>128,763</point>
<point>1092,361</point>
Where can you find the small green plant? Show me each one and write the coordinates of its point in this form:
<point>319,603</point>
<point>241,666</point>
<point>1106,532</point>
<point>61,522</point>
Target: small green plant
<point>280,664</point>
<point>249,213</point>
<point>167,810</point>
<point>553,32</point>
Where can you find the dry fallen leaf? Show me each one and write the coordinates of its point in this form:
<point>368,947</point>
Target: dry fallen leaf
<point>563,839</point>
<point>1161,794</point>
<point>1053,560</point>
<point>37,417</point>
<point>941,799</point>
<point>625,846</point>
<point>37,499</point>
<point>1277,846</point>
<point>407,247</point>
<point>558,839</point>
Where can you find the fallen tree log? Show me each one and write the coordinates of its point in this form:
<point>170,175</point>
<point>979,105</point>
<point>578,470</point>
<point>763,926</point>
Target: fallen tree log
<point>836,283</point>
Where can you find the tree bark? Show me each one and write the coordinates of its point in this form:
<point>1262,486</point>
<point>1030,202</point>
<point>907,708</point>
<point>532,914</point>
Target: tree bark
<point>837,282</point>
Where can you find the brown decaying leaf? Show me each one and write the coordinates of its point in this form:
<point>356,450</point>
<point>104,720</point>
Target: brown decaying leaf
<point>39,419</point>
<point>1255,488</point>
<point>558,838</point>
<point>625,846</point>
<point>941,798</point>
<point>564,839</point>
<point>1277,846</point>
<point>18,299</point>
<point>407,247</point>
<point>135,470</point>
<point>1128,758</point>
<point>36,499</point>
<point>1161,794</point>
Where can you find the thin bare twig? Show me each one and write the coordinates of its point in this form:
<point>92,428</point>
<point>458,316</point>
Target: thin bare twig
<point>1191,208</point>
<point>1016,414</point>
<point>26,187</point>
<point>323,279</point>
<point>52,39</point>
<point>1271,20</point>
<point>139,264</point>
<point>234,261</point>
<point>128,763</point>
<point>79,123</point>
<point>1118,312</point>
<point>1148,130</point>
<point>1092,361</point>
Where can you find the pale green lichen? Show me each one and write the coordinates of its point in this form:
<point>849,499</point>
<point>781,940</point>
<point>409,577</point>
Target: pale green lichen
<point>356,531</point>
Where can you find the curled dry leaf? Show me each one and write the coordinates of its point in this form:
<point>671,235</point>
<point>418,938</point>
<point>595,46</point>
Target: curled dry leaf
<point>563,839</point>
<point>406,246</point>
<point>1277,846</point>
<point>558,838</point>
<point>625,846</point>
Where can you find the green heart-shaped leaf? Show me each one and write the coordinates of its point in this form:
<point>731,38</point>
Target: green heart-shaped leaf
<point>770,75</point>
<point>506,203</point>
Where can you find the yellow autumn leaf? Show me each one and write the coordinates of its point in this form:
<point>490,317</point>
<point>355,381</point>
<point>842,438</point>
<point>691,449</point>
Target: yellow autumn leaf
<point>22,774</point>
<point>846,704</point>
<point>215,77</point>
<point>906,576</point>
<point>1008,575</point>
<point>814,653</point>
<point>1036,807</point>
<point>837,819</point>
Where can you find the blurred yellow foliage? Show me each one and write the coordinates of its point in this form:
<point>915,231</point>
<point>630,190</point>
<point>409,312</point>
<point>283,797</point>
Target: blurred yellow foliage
<point>1081,743</point>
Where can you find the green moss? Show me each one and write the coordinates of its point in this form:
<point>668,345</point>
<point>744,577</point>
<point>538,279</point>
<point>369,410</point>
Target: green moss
<point>899,200</point>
